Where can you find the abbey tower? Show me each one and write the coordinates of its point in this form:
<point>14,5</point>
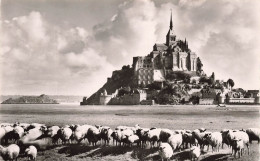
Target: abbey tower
<point>174,55</point>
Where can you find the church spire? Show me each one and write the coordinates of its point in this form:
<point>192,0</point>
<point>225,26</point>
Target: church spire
<point>171,21</point>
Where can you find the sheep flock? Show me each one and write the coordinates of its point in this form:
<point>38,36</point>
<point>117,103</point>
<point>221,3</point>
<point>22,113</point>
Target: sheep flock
<point>24,139</point>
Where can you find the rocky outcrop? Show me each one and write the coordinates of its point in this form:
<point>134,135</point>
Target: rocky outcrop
<point>120,78</point>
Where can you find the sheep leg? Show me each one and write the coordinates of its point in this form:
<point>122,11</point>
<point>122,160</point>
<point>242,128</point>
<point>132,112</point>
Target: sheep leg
<point>247,145</point>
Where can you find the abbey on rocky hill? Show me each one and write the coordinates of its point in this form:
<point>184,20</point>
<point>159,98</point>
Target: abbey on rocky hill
<point>174,55</point>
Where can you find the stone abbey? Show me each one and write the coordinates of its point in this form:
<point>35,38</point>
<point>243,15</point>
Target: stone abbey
<point>174,55</point>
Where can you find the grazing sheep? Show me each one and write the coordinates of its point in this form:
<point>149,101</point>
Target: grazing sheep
<point>189,139</point>
<point>106,133</point>
<point>117,136</point>
<point>32,134</point>
<point>93,135</point>
<point>10,152</point>
<point>254,134</point>
<point>31,152</point>
<point>175,141</point>
<point>224,133</point>
<point>238,146</point>
<point>153,136</point>
<point>81,132</point>
<point>141,134</point>
<point>238,135</point>
<point>165,151</point>
<point>194,153</point>
<point>214,139</point>
<point>165,134</point>
<point>132,139</point>
<point>64,134</point>
<point>199,136</point>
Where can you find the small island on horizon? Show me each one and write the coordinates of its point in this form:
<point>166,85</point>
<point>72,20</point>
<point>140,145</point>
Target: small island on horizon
<point>42,99</point>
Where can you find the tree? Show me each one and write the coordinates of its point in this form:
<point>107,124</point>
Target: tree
<point>231,82</point>
<point>213,76</point>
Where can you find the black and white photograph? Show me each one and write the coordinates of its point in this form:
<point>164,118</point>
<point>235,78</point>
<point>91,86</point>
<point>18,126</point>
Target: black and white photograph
<point>117,80</point>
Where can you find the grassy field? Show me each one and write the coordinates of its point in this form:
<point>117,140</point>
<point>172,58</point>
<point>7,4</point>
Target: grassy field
<point>173,117</point>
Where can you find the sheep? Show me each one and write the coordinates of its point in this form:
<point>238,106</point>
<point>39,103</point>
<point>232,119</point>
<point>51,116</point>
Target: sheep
<point>194,153</point>
<point>13,135</point>
<point>214,139</point>
<point>238,146</point>
<point>81,132</point>
<point>224,133</point>
<point>32,135</point>
<point>254,134</point>
<point>106,133</point>
<point>199,136</point>
<point>153,136</point>
<point>93,135</point>
<point>10,152</point>
<point>117,136</point>
<point>188,139</point>
<point>175,141</point>
<point>132,139</point>
<point>165,134</point>
<point>238,135</point>
<point>64,134</point>
<point>31,152</point>
<point>141,134</point>
<point>165,151</point>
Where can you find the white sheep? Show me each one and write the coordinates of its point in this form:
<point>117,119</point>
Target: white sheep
<point>31,152</point>
<point>81,132</point>
<point>32,135</point>
<point>10,152</point>
<point>52,131</point>
<point>238,146</point>
<point>214,139</point>
<point>132,139</point>
<point>153,136</point>
<point>165,151</point>
<point>194,153</point>
<point>175,141</point>
<point>254,134</point>
<point>64,134</point>
<point>238,135</point>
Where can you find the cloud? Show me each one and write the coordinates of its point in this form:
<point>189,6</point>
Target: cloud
<point>38,55</point>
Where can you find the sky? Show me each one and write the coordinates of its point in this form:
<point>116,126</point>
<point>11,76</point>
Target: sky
<point>69,47</point>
